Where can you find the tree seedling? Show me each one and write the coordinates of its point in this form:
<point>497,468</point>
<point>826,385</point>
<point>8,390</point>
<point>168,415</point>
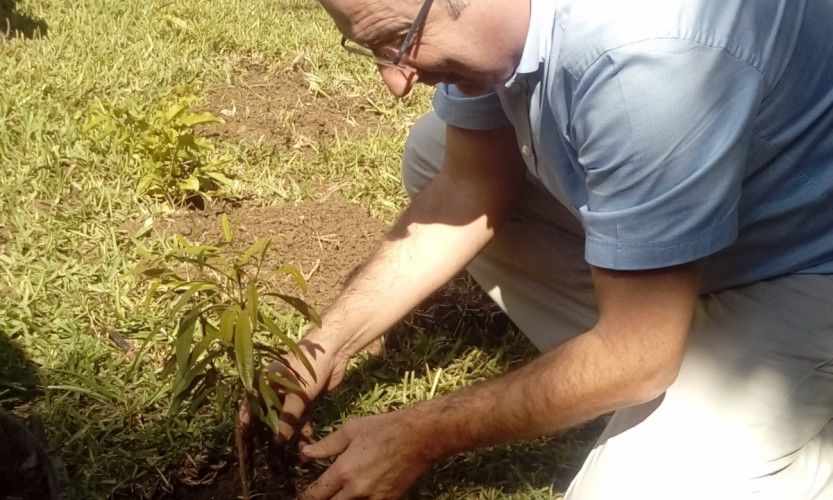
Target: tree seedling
<point>226,333</point>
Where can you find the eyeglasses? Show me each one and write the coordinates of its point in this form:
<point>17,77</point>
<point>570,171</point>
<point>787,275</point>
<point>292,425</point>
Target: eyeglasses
<point>405,47</point>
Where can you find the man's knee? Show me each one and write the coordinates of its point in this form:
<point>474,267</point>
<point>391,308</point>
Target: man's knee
<point>423,155</point>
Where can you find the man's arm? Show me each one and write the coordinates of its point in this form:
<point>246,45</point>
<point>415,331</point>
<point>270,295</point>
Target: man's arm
<point>439,233</point>
<point>444,227</point>
<point>631,356</point>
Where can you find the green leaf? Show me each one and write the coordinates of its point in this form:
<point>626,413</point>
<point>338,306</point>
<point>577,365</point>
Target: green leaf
<point>93,122</point>
<point>220,264</point>
<point>200,394</point>
<point>227,323</point>
<point>283,382</point>
<point>186,296</point>
<point>252,302</point>
<point>259,247</point>
<point>210,334</point>
<point>244,350</point>
<point>221,178</point>
<point>270,351</point>
<point>273,404</point>
<point>190,184</point>
<point>176,109</point>
<point>182,346</point>
<point>148,183</point>
<point>287,341</point>
<point>296,274</point>
<point>169,367</point>
<point>150,294</point>
<point>147,226</point>
<point>188,382</point>
<point>191,119</point>
<point>301,306</point>
<point>199,250</point>
<point>153,272</point>
<point>224,224</point>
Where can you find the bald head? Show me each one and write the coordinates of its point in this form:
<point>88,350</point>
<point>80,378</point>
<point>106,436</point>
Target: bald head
<point>371,22</point>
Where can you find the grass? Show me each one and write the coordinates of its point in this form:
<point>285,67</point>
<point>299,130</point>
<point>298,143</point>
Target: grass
<point>68,245</point>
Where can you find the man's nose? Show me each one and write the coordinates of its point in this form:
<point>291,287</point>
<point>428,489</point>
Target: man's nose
<point>398,82</point>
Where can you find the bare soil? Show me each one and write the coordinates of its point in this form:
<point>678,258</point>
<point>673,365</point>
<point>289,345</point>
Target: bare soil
<point>281,108</point>
<point>326,239</point>
<point>274,479</point>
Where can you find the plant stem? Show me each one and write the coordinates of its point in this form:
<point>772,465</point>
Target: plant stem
<point>243,444</point>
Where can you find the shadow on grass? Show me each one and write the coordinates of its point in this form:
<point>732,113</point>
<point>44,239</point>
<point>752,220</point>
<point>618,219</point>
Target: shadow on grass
<point>14,24</point>
<point>19,380</point>
<point>460,322</point>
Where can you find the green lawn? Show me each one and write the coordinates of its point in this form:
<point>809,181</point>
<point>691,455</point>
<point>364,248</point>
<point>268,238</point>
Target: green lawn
<point>70,205</point>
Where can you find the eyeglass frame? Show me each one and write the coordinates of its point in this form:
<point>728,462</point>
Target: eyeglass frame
<point>407,43</point>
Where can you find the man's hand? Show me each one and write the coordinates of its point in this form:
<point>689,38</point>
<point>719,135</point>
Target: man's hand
<point>379,457</point>
<point>328,368</point>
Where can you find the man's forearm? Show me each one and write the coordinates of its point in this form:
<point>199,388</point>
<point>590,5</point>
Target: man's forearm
<point>440,232</point>
<point>562,388</point>
<point>631,356</point>
<point>413,260</point>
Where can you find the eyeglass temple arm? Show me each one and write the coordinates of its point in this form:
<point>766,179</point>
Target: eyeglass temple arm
<point>416,27</point>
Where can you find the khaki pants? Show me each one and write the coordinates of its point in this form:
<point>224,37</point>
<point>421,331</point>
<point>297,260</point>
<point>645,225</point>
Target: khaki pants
<point>751,413</point>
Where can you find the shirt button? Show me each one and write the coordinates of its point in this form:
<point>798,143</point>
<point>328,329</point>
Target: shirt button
<point>525,150</point>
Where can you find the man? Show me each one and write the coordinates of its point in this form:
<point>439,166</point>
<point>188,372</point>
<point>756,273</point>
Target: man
<point>645,187</point>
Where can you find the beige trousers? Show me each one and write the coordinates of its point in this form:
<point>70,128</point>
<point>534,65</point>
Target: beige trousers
<point>751,413</point>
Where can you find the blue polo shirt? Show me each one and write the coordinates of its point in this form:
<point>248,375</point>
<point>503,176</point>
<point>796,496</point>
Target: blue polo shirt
<point>678,130</point>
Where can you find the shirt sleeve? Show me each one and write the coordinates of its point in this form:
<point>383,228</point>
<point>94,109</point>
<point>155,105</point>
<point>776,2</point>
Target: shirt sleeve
<point>474,113</point>
<point>662,129</point>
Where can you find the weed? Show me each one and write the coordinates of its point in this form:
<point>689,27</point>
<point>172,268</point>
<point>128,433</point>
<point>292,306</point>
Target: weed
<point>163,142</point>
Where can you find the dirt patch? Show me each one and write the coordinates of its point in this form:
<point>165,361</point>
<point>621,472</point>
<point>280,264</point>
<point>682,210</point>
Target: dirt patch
<point>284,108</point>
<point>326,239</point>
<point>274,479</point>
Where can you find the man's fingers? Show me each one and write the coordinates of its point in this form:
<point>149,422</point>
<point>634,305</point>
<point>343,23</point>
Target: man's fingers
<point>290,418</point>
<point>295,402</point>
<point>306,431</point>
<point>304,439</point>
<point>330,445</point>
<point>322,488</point>
<point>343,495</point>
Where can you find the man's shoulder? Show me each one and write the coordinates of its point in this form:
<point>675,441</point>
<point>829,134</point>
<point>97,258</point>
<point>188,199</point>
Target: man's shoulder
<point>590,29</point>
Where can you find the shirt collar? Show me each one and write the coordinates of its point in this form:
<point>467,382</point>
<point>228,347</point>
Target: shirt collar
<point>538,38</point>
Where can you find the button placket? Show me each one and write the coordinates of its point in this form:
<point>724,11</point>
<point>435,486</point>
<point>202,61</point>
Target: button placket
<point>528,148</point>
